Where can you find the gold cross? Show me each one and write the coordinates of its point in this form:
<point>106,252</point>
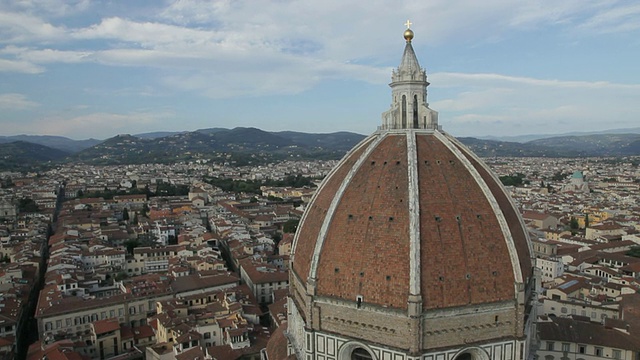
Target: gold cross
<point>408,24</point>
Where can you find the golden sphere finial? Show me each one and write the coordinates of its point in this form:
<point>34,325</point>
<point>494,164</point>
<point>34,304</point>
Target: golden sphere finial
<point>408,34</point>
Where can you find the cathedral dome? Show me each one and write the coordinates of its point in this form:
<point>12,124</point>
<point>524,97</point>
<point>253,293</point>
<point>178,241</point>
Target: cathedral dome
<point>411,245</point>
<point>412,212</point>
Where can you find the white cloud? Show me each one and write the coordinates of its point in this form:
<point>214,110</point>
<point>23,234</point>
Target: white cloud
<point>21,27</point>
<point>147,34</point>
<point>234,48</point>
<point>507,105</point>
<point>14,101</point>
<point>458,79</point>
<point>203,35</point>
<point>19,66</point>
<point>617,19</point>
<point>45,56</point>
<point>55,8</point>
<point>88,125</point>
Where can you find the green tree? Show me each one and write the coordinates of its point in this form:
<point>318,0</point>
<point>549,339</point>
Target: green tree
<point>145,210</point>
<point>7,183</point>
<point>130,245</point>
<point>277,238</point>
<point>586,220</point>
<point>27,205</point>
<point>125,214</point>
<point>634,251</point>
<point>573,224</point>
<point>290,226</point>
<point>559,176</point>
<point>120,276</point>
<point>513,180</point>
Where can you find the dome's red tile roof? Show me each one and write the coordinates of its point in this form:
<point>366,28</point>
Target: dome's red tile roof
<point>465,255</point>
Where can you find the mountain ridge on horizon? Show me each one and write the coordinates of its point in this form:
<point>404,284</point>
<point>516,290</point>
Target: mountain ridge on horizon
<point>249,145</point>
<point>50,140</point>
<point>532,137</point>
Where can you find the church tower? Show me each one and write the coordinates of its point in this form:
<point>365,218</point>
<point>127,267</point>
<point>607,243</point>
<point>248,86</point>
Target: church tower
<point>410,249</point>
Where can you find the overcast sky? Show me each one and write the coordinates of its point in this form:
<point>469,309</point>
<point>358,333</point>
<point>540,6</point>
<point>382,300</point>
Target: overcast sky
<point>82,69</point>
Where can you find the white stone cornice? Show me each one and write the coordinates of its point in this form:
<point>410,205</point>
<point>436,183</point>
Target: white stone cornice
<point>414,214</point>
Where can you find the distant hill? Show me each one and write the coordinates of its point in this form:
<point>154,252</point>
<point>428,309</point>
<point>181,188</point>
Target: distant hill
<point>342,141</point>
<point>593,145</point>
<point>531,137</point>
<point>564,146</point>
<point>56,142</point>
<point>212,130</point>
<point>247,146</point>
<point>157,134</point>
<point>22,155</point>
<point>239,146</point>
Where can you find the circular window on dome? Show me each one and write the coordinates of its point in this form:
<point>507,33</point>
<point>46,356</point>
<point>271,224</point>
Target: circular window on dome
<point>360,354</point>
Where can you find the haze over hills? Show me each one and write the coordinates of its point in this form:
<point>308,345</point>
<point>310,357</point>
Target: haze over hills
<point>244,146</point>
<point>531,137</point>
<point>56,142</point>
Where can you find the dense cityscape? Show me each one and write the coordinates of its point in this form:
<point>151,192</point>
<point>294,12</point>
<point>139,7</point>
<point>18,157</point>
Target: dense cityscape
<point>517,240</point>
<point>152,260</point>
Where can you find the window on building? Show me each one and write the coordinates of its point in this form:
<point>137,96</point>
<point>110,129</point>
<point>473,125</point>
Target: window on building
<point>566,347</point>
<point>550,345</point>
<point>564,310</point>
<point>362,354</point>
<point>597,351</point>
<point>617,354</point>
<point>582,349</point>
